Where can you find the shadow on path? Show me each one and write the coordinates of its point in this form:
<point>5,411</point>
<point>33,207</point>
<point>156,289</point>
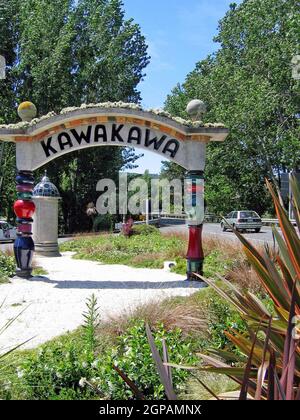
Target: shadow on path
<point>89,284</point>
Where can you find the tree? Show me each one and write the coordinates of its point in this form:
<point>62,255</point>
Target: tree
<point>248,85</point>
<point>110,53</point>
<point>64,53</point>
<point>8,42</point>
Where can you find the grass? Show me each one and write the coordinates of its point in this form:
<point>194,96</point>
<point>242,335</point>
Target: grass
<point>179,312</point>
<point>218,384</point>
<point>225,258</point>
<point>15,305</point>
<point>151,251</point>
<point>4,279</point>
<point>39,271</point>
<point>7,267</point>
<point>137,251</point>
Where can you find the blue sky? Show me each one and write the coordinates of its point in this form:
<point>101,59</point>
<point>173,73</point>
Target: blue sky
<point>179,34</point>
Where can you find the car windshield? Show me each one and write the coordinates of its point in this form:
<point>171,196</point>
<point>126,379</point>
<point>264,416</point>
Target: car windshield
<point>246,214</point>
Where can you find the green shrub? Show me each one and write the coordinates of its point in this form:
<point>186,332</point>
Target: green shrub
<point>54,371</point>
<point>221,317</point>
<point>133,356</point>
<point>7,267</point>
<point>103,222</point>
<point>144,230</point>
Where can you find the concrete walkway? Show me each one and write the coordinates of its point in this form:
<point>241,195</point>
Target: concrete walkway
<point>54,304</point>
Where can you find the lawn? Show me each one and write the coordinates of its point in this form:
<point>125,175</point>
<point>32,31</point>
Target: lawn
<point>149,250</point>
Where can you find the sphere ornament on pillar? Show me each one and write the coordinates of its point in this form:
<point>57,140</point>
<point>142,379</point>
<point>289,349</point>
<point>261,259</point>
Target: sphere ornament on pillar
<point>27,111</point>
<point>196,109</point>
<point>46,188</point>
<point>24,209</point>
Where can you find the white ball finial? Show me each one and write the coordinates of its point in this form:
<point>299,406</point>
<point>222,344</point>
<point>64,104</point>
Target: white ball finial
<point>27,111</point>
<point>196,109</point>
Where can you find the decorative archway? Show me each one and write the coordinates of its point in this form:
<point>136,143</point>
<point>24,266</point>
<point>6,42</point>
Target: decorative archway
<point>38,141</point>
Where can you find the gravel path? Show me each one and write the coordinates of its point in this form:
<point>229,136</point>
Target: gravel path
<point>54,304</point>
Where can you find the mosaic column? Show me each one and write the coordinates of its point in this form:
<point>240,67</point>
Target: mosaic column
<point>194,203</point>
<point>24,209</point>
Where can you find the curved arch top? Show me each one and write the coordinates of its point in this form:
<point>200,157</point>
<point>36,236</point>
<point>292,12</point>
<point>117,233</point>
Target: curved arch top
<point>52,136</point>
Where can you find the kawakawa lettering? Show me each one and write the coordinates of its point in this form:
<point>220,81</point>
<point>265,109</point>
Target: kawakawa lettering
<point>115,134</point>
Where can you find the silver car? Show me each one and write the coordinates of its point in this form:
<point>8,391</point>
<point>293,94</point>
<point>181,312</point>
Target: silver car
<point>7,232</point>
<point>242,221</point>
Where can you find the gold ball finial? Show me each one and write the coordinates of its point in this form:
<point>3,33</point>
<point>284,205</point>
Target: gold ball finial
<point>27,111</point>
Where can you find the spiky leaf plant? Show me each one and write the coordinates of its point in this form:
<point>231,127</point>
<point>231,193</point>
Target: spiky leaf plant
<point>271,344</point>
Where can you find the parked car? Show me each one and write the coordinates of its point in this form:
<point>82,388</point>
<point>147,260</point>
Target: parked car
<point>242,221</point>
<point>7,231</point>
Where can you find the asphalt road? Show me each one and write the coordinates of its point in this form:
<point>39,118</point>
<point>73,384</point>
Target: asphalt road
<point>214,229</point>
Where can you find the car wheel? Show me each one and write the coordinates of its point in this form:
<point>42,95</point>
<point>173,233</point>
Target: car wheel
<point>257,230</point>
<point>224,229</point>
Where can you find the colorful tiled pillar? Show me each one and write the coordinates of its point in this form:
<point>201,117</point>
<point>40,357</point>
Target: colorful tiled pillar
<point>194,190</point>
<point>24,209</point>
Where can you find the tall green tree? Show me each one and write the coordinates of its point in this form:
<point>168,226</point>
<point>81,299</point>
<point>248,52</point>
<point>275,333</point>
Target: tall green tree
<point>65,53</point>
<point>248,85</point>
<point>9,30</point>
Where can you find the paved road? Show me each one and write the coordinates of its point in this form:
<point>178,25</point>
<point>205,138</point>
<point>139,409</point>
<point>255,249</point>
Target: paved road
<point>214,229</point>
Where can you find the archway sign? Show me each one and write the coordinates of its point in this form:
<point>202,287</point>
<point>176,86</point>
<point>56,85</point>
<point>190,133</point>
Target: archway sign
<point>40,140</point>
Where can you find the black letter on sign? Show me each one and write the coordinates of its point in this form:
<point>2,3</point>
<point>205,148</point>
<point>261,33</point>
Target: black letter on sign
<point>115,134</point>
<point>172,150</point>
<point>48,148</point>
<point>100,133</point>
<point>82,136</point>
<point>157,144</point>
<point>68,141</point>
<point>135,134</point>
